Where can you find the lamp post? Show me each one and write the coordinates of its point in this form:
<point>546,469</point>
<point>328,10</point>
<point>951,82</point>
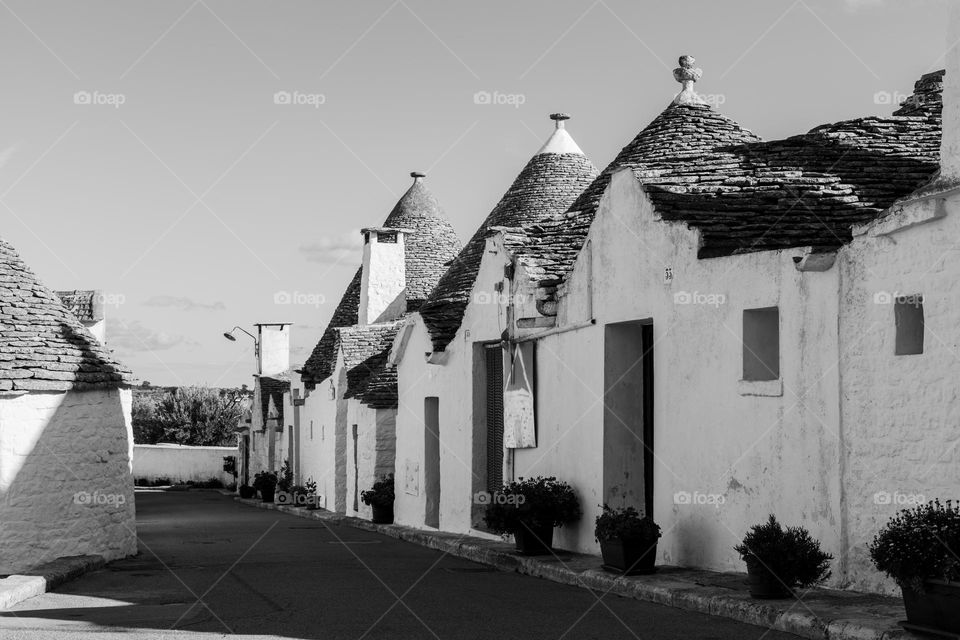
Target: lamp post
<point>256,343</point>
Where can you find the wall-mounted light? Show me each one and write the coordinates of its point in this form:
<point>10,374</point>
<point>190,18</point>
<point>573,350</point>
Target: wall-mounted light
<point>256,343</point>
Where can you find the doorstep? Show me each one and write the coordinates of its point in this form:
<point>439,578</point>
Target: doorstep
<point>822,614</point>
<point>46,577</point>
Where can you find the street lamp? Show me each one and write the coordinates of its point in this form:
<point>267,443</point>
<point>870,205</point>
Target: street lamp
<point>256,343</point>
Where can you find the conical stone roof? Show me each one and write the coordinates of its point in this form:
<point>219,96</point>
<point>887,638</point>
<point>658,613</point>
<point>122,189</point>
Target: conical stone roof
<point>43,346</point>
<point>546,187</point>
<point>429,247</point>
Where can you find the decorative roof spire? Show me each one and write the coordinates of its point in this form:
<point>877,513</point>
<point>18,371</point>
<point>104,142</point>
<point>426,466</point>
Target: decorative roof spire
<point>560,141</point>
<point>417,176</point>
<point>686,74</point>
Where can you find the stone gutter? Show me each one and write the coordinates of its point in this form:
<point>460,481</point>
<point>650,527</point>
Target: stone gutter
<point>46,577</point>
<point>820,614</point>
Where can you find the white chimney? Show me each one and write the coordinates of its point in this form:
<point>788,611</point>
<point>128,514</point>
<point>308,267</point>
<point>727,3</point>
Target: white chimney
<point>383,281</point>
<point>950,143</point>
<point>274,346</point>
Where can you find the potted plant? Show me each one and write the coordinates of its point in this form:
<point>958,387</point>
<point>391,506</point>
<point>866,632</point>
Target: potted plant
<point>628,541</point>
<point>313,501</point>
<point>918,548</point>
<point>247,492</point>
<point>780,559</point>
<point>530,509</point>
<point>285,484</point>
<point>266,483</point>
<point>380,499</point>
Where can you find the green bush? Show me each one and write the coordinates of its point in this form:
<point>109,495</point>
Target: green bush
<point>381,494</point>
<point>790,554</point>
<point>539,502</point>
<point>919,544</point>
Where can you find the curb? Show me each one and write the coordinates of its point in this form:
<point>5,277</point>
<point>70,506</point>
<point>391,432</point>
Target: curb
<point>46,577</point>
<point>825,614</point>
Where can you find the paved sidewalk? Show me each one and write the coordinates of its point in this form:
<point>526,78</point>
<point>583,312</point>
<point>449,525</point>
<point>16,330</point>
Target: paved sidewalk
<point>821,614</point>
<point>46,577</point>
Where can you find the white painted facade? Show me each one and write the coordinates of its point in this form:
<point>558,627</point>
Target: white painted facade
<point>181,463</point>
<point>65,476</point>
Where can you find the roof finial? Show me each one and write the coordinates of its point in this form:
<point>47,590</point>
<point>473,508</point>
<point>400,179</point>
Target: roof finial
<point>686,74</point>
<point>559,118</point>
<point>417,176</point>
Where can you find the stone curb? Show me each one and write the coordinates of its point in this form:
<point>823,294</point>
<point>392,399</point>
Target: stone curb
<point>824,614</point>
<point>46,577</point>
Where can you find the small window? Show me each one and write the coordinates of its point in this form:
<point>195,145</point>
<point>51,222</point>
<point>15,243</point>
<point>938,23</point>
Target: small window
<point>908,315</point>
<point>311,429</point>
<point>389,237</point>
<point>761,344</point>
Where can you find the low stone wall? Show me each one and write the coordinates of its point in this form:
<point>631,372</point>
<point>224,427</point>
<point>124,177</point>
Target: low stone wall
<point>181,463</point>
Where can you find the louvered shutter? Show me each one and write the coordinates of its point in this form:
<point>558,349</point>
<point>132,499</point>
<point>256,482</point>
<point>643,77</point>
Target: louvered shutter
<point>494,418</point>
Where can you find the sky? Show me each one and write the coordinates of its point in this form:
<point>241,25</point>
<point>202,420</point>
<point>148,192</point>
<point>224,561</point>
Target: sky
<point>209,163</point>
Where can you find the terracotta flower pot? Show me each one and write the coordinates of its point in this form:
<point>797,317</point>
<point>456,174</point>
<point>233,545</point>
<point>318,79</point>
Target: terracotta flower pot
<point>533,541</point>
<point>935,610</point>
<point>764,585</point>
<point>382,515</point>
<point>629,557</point>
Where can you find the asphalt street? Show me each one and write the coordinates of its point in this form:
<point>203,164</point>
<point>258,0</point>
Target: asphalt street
<point>209,567</point>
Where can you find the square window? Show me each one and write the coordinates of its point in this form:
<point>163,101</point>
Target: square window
<point>908,316</point>
<point>761,344</point>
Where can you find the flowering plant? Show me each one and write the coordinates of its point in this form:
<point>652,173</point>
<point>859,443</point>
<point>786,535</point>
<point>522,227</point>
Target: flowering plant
<point>919,544</point>
<point>381,495</point>
<point>625,524</point>
<point>535,501</point>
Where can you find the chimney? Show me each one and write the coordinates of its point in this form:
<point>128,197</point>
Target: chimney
<point>274,341</point>
<point>383,280</point>
<point>950,143</point>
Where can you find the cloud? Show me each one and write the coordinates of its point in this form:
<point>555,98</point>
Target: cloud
<point>344,248</point>
<point>184,304</point>
<point>6,154</point>
<point>135,337</point>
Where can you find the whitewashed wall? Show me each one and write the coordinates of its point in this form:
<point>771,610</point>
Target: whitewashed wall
<point>181,463</point>
<point>65,477</point>
<point>900,413</point>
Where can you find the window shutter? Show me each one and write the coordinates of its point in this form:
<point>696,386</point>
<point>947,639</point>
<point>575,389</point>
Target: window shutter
<point>494,364</point>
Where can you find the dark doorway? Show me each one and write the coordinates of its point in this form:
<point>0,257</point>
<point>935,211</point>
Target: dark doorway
<point>628,415</point>
<point>431,461</point>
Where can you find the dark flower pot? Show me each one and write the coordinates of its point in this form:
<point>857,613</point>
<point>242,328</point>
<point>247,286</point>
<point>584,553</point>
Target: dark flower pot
<point>533,541</point>
<point>247,492</point>
<point>629,557</point>
<point>763,584</point>
<point>382,515</point>
<point>935,610</point>
<point>267,494</point>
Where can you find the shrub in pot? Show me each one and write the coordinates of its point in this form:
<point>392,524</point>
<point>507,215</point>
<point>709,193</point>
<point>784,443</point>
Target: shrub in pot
<point>628,541</point>
<point>530,509</point>
<point>266,483</point>
<point>919,549</point>
<point>781,559</point>
<point>380,498</point>
<point>247,492</point>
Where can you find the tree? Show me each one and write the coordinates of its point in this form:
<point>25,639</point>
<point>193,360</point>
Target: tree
<point>198,416</point>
